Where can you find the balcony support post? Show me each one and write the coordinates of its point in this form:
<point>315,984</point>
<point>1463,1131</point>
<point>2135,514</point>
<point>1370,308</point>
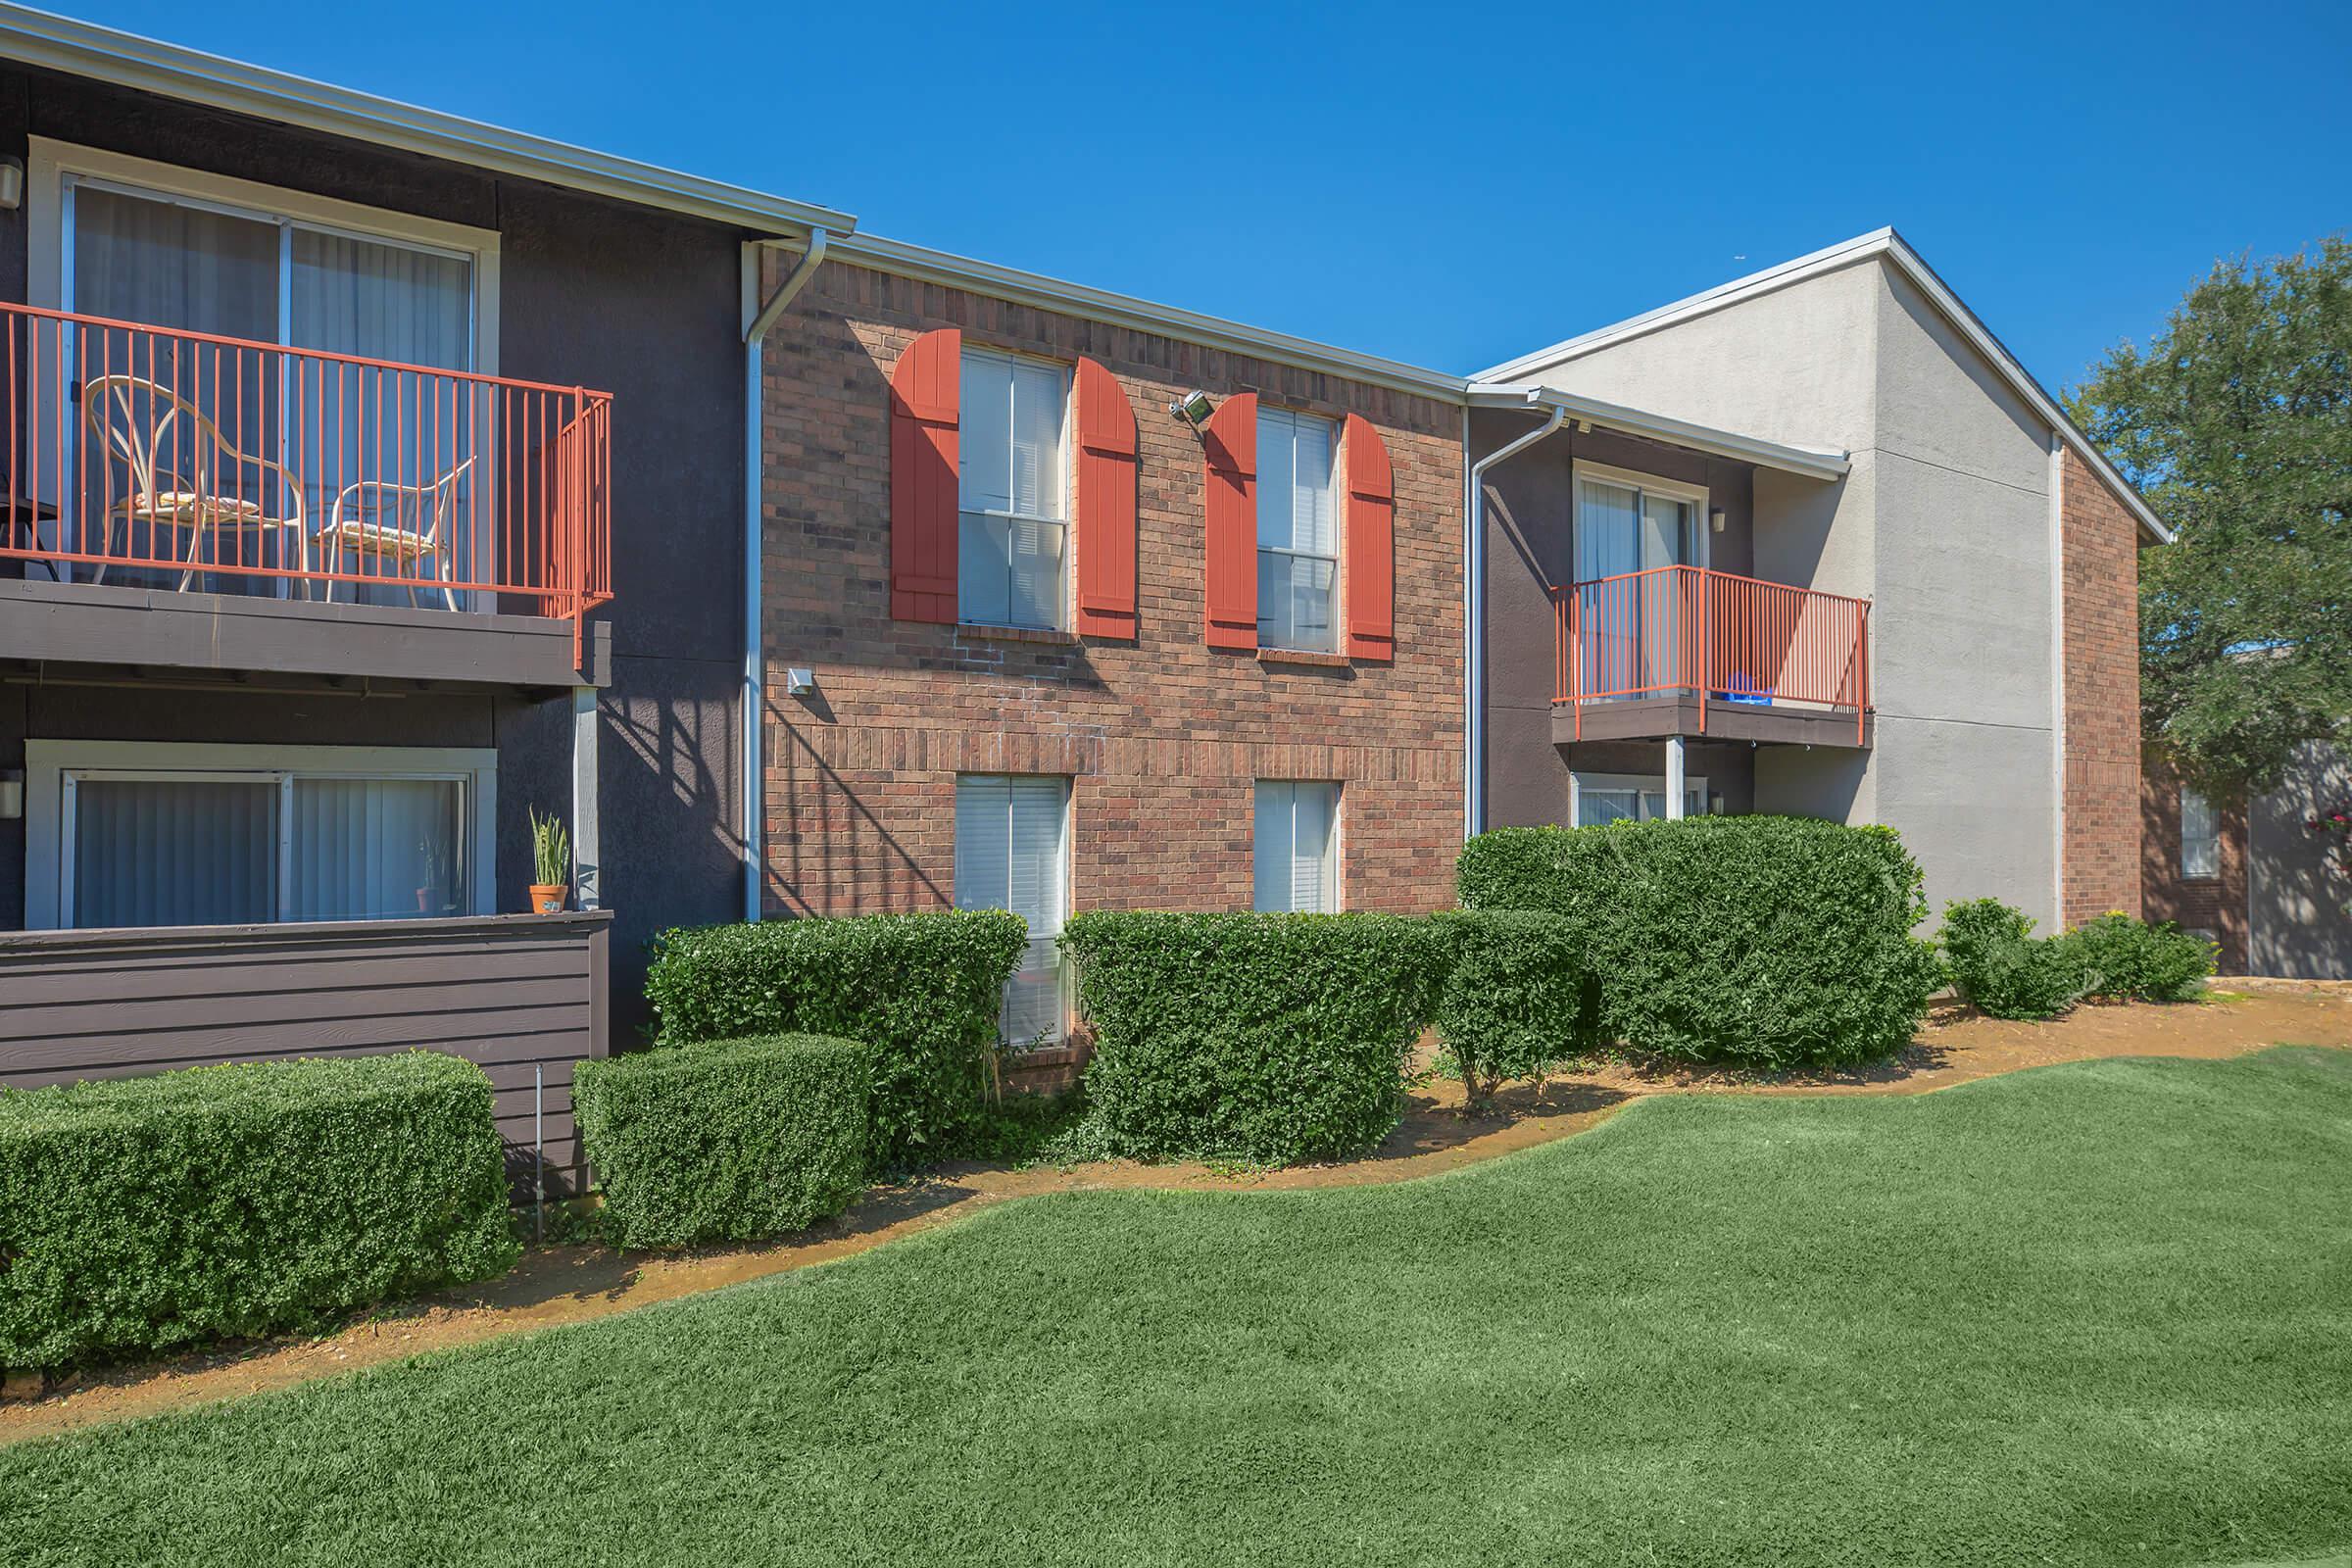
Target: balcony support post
<point>587,853</point>
<point>1674,778</point>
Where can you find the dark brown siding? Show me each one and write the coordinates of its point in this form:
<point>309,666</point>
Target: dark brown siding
<point>639,303</point>
<point>511,993</point>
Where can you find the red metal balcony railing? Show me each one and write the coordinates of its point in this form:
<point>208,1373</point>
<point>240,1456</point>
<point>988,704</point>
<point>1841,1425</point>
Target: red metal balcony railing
<point>178,459</point>
<point>1686,632</point>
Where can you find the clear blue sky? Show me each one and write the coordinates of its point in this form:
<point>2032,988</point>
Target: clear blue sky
<point>1449,187</point>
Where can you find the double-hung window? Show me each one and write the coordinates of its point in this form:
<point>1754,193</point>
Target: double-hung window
<point>133,835</point>
<point>1297,859</point>
<point>1298,531</point>
<point>1011,853</point>
<point>2200,837</point>
<point>1012,543</point>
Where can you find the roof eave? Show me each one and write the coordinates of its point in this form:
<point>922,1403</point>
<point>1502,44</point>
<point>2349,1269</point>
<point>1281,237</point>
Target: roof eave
<point>1810,463</point>
<point>77,48</point>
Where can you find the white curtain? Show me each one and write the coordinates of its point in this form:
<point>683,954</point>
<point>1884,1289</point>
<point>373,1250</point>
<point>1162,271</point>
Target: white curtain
<point>1295,865</point>
<point>1013,535</point>
<point>175,851</point>
<point>377,849</point>
<point>1010,855</point>
<point>1297,530</point>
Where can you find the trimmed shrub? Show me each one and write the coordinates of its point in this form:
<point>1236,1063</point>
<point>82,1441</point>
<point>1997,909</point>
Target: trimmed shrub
<point>2126,958</point>
<point>144,1215</point>
<point>2002,969</point>
<point>728,1141</point>
<point>1768,941</point>
<point>1518,997</point>
<point>1264,1038</point>
<point>921,992</point>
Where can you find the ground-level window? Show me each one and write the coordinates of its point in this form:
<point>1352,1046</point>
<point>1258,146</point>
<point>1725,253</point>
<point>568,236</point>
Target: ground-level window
<point>1297,859</point>
<point>1603,798</point>
<point>2200,836</point>
<point>126,834</point>
<point>1011,852</point>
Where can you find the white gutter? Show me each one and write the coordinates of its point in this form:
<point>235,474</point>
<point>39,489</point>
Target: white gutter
<point>757,318</point>
<point>1811,463</point>
<point>1474,613</point>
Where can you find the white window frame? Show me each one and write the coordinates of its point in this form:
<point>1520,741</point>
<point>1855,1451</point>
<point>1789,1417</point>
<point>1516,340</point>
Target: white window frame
<point>1063,616</point>
<point>1066,855</point>
<point>1335,868</point>
<point>54,769</point>
<point>2213,839</point>
<point>1579,782</point>
<point>54,169</point>
<point>1339,528</point>
<point>1696,495</point>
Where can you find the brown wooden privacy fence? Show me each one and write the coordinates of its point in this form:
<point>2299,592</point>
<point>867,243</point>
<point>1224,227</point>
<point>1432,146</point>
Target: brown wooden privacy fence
<point>523,996</point>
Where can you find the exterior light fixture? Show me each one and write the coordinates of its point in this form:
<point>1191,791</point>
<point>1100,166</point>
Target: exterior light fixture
<point>12,793</point>
<point>1715,518</point>
<point>800,682</point>
<point>1194,407</point>
<point>12,184</point>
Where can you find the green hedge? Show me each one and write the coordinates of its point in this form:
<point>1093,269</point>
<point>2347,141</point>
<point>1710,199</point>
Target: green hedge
<point>1768,941</point>
<point>2000,967</point>
<point>921,992</point>
<point>2126,959</point>
<point>729,1141</point>
<point>142,1214</point>
<point>1265,1038</point>
<point>1518,997</point>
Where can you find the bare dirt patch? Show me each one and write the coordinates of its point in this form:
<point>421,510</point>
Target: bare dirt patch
<point>573,1283</point>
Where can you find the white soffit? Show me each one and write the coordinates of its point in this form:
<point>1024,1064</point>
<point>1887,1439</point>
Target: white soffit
<point>1812,462</point>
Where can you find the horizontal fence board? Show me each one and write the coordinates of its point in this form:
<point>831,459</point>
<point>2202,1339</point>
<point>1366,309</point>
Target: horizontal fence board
<point>35,985</point>
<point>482,1035</point>
<point>258,1011</point>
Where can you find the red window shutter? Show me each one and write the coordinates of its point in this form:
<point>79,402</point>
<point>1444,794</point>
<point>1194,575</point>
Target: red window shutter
<point>1230,441</point>
<point>1369,557</point>
<point>925,387</point>
<point>1106,469</point>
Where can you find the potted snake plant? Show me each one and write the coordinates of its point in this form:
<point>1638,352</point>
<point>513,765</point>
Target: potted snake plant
<point>550,862</point>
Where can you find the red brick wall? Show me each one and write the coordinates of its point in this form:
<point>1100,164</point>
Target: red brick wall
<point>2216,905</point>
<point>2100,541</point>
<point>1162,737</point>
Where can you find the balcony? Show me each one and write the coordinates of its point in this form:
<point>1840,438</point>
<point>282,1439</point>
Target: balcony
<point>179,500</point>
<point>1687,651</point>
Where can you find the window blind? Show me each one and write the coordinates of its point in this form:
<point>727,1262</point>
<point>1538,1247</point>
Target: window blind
<point>1295,865</point>
<point>175,851</point>
<point>1010,855</point>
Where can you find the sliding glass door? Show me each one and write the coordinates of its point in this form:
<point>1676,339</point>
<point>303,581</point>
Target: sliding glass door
<point>1631,625</point>
<point>374,465</point>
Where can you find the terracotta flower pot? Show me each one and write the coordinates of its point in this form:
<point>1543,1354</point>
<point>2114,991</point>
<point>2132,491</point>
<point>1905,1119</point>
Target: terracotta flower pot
<point>548,898</point>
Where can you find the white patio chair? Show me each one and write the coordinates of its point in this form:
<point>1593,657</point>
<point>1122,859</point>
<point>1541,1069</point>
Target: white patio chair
<point>419,530</point>
<point>135,421</point>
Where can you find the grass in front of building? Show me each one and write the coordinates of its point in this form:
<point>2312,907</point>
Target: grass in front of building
<point>2089,1313</point>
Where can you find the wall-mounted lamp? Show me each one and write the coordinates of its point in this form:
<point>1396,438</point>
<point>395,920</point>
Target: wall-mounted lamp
<point>1715,518</point>
<point>800,682</point>
<point>12,793</point>
<point>1194,407</point>
<point>12,184</point>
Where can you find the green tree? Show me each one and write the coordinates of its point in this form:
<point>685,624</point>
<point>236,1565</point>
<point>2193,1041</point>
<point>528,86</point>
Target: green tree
<point>2235,422</point>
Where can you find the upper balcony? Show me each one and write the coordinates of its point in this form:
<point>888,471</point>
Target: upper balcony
<point>1687,651</point>
<point>174,499</point>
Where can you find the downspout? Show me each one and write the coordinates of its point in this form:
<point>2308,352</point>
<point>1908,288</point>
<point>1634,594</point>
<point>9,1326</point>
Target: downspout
<point>757,318</point>
<point>1474,611</point>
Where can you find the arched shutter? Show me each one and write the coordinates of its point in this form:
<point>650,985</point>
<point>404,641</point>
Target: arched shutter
<point>1106,469</point>
<point>925,388</point>
<point>1370,556</point>
<point>1230,443</point>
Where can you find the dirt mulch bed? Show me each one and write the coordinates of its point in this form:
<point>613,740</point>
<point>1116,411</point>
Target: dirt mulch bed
<point>573,1283</point>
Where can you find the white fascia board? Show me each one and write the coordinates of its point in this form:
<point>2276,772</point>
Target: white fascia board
<point>902,260</point>
<point>1811,463</point>
<point>1882,243</point>
<point>77,48</point>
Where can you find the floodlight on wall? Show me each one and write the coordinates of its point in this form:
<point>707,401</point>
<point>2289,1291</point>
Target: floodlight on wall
<point>800,682</point>
<point>1194,407</point>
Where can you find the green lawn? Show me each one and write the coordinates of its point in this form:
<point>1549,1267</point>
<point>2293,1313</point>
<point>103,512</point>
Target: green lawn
<point>2090,1314</point>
